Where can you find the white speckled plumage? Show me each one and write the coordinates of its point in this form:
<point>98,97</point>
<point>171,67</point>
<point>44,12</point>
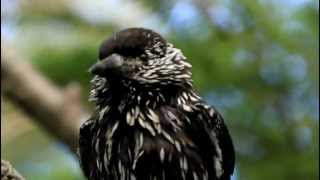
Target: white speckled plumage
<point>150,123</point>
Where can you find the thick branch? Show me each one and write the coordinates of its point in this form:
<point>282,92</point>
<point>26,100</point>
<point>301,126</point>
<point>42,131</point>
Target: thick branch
<point>59,111</point>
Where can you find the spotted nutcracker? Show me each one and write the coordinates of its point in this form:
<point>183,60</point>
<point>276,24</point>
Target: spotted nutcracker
<point>149,122</point>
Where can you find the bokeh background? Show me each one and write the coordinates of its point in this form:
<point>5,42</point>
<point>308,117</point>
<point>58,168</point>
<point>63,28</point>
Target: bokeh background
<point>255,61</point>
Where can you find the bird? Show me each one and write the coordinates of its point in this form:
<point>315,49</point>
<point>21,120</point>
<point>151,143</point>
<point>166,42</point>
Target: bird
<point>149,122</point>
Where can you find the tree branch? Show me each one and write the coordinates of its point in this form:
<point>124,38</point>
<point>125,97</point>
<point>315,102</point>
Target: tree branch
<point>8,172</point>
<point>58,111</point>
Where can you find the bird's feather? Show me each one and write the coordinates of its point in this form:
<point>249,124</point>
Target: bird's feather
<point>149,123</point>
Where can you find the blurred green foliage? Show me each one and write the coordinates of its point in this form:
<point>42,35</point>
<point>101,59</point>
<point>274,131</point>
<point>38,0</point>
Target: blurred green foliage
<point>256,61</point>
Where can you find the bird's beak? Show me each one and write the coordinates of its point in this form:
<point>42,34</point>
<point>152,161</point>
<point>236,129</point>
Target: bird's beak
<point>110,64</point>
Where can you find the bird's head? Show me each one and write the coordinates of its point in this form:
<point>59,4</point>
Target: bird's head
<point>141,56</point>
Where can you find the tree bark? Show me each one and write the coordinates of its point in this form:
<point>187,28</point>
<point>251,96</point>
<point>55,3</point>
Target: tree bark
<point>58,111</point>
<point>8,172</point>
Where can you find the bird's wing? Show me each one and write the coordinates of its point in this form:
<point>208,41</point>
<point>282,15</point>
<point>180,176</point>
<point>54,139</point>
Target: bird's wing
<point>200,148</point>
<point>214,127</point>
<point>85,148</point>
